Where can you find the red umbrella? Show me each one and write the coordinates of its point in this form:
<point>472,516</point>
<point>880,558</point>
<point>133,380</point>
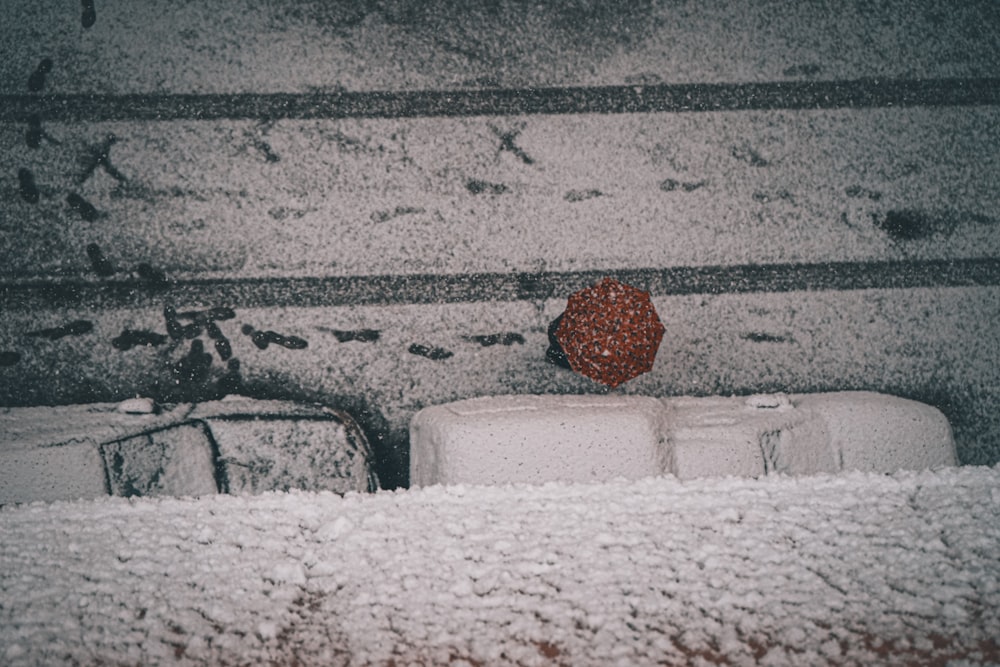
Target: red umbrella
<point>610,332</point>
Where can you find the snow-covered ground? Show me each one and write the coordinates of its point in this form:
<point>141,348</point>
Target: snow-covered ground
<point>842,569</point>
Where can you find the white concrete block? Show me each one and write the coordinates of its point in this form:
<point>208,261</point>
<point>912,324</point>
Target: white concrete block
<point>803,434</point>
<point>535,439</point>
<point>707,437</point>
<point>744,436</point>
<point>881,433</point>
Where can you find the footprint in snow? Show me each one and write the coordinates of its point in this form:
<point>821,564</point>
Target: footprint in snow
<point>432,353</point>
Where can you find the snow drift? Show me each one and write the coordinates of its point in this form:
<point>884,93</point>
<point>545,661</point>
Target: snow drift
<point>851,568</point>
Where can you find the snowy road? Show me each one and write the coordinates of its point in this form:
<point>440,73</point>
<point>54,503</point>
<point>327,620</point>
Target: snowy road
<point>362,197</point>
<point>844,570</point>
<point>277,46</point>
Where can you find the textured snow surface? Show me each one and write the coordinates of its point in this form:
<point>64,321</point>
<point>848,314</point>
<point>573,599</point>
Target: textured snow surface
<point>836,569</point>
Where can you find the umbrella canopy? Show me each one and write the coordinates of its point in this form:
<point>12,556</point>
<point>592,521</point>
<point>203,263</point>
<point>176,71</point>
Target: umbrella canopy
<point>610,332</point>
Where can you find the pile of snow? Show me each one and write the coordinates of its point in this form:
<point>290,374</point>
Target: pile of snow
<point>852,568</point>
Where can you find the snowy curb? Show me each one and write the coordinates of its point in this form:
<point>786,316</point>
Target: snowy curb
<point>540,438</point>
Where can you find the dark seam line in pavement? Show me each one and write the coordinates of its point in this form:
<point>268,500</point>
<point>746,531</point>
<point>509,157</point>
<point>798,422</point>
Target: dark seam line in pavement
<point>383,290</point>
<point>859,93</point>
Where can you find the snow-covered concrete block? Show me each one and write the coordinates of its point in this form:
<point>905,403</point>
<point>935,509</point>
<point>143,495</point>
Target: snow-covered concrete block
<point>534,439</point>
<point>802,434</point>
<point>66,472</point>
<point>745,437</point>
<point>173,461</point>
<point>133,448</point>
<point>882,433</point>
<point>706,437</point>
<point>279,445</point>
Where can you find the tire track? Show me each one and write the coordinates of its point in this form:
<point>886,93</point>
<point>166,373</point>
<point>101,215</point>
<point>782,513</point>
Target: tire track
<point>659,98</point>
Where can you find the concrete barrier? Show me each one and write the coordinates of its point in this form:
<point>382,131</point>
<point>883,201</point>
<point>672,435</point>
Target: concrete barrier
<point>236,445</point>
<point>535,439</point>
<point>540,438</point>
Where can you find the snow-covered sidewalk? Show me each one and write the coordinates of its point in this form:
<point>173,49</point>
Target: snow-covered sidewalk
<point>841,569</point>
